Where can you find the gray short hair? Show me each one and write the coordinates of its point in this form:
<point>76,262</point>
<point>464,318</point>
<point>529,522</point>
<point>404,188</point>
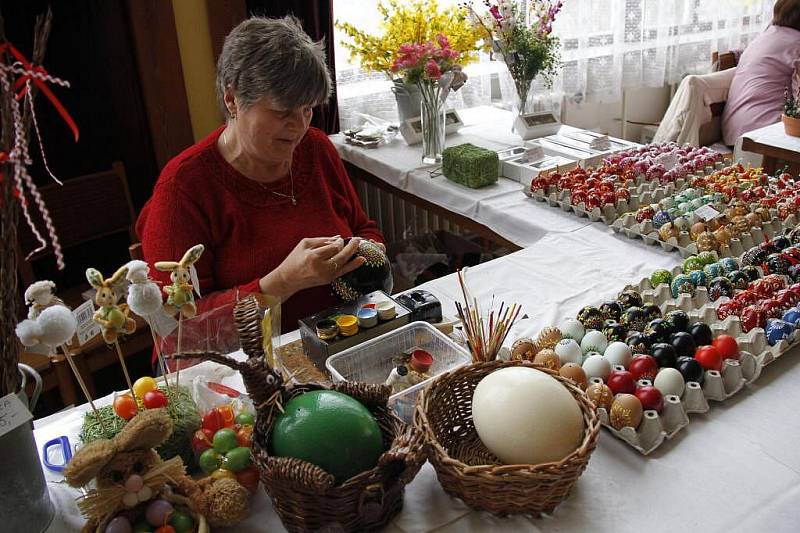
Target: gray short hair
<point>273,57</point>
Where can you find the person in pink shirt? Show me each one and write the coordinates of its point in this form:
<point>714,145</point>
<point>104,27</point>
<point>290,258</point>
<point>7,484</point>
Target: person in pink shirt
<point>765,69</point>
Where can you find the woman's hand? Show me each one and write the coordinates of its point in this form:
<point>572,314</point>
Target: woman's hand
<point>313,262</point>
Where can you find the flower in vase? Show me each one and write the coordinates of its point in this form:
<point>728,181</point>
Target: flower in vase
<point>432,70</point>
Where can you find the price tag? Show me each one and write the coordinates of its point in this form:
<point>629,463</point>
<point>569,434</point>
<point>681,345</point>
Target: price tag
<point>87,327</point>
<point>706,212</point>
<point>13,413</point>
<point>668,160</point>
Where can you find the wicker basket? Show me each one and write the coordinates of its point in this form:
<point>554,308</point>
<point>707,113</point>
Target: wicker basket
<point>305,496</point>
<point>467,470</point>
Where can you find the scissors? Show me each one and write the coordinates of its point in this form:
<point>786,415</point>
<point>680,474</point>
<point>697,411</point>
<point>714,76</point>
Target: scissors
<point>66,453</point>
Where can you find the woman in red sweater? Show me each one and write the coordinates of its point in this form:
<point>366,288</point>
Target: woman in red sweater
<point>267,195</point>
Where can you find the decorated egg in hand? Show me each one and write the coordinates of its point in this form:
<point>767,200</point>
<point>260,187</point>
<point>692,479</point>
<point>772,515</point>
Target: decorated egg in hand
<point>374,275</point>
<point>524,416</point>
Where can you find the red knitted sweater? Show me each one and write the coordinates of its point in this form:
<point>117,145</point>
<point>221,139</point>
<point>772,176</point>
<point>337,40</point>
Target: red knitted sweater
<point>248,231</point>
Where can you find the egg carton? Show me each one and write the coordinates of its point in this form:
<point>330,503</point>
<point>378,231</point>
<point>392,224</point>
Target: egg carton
<point>657,427</point>
<point>627,225</point>
<point>701,308</point>
<point>642,193</point>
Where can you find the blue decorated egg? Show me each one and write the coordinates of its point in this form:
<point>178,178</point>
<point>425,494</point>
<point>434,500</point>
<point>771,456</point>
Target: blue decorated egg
<point>699,278</point>
<point>682,284</point>
<point>778,330</point>
<point>792,316</point>
<point>739,279</point>
<point>714,270</point>
<point>661,218</point>
<point>729,264</point>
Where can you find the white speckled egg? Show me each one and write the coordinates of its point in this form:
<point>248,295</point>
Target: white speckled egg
<point>594,341</point>
<point>597,366</point>
<point>669,381</point>
<point>572,329</point>
<point>618,353</point>
<point>524,416</point>
<point>569,351</point>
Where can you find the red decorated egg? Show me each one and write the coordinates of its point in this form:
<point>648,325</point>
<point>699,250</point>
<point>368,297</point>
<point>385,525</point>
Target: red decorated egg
<point>651,398</point>
<point>643,367</point>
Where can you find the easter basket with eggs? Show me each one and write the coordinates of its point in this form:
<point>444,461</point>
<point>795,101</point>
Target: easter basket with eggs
<point>329,456</point>
<point>541,429</point>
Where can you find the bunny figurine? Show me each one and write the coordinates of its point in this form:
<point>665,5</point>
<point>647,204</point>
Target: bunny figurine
<point>113,318</point>
<point>130,478</point>
<point>180,297</point>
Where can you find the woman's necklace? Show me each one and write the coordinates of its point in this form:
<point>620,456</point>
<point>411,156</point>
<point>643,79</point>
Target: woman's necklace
<point>289,196</point>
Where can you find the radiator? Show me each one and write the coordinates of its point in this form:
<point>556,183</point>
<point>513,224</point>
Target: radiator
<point>396,218</point>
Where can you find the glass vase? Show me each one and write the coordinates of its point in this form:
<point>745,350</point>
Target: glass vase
<point>432,117</point>
<point>522,105</point>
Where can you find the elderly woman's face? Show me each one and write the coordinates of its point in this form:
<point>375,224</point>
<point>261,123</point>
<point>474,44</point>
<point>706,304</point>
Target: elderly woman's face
<point>270,132</point>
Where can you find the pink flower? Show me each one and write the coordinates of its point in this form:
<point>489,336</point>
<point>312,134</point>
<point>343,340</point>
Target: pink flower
<point>495,13</point>
<point>442,40</point>
<point>432,70</point>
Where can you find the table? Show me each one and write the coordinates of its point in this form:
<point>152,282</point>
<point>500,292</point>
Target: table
<point>777,148</point>
<point>733,469</point>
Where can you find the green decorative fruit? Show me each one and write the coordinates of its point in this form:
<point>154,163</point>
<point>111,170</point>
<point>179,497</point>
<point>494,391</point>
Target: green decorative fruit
<point>245,419</point>
<point>209,460</point>
<point>331,430</point>
<point>181,522</point>
<point>660,276</point>
<point>237,459</point>
<point>225,440</point>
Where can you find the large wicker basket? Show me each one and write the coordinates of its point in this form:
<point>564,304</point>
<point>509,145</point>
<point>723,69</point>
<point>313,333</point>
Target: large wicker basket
<point>467,470</point>
<point>305,496</point>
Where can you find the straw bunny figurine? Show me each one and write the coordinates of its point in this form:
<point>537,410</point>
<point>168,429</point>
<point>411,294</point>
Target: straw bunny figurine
<point>144,296</point>
<point>180,297</point>
<point>129,475</point>
<point>113,318</point>
<point>39,296</point>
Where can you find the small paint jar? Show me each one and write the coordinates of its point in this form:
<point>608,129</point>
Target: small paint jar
<point>386,310</point>
<point>327,329</point>
<point>367,317</point>
<point>348,325</point>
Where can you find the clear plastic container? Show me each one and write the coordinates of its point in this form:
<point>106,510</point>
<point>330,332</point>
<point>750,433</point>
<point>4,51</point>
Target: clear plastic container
<point>371,361</point>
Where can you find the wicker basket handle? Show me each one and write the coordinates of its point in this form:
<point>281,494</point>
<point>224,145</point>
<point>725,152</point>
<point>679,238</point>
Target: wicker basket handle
<point>370,501</point>
<point>298,474</point>
<point>403,453</point>
<point>369,395</point>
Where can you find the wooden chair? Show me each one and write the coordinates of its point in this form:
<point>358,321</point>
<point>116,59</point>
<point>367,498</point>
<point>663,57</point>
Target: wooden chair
<point>85,209</point>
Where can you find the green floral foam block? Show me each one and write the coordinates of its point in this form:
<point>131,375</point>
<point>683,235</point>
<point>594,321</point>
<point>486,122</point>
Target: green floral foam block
<point>470,165</point>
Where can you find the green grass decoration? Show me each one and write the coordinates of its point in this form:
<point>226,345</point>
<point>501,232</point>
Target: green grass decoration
<point>470,165</point>
<point>182,411</point>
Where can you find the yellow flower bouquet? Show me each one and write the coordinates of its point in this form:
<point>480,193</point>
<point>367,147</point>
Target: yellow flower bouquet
<point>418,21</point>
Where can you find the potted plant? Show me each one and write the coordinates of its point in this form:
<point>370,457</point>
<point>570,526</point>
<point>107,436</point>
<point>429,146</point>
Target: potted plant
<point>418,21</point>
<point>791,112</point>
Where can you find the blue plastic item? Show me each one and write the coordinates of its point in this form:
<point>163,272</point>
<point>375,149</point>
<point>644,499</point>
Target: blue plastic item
<point>66,453</point>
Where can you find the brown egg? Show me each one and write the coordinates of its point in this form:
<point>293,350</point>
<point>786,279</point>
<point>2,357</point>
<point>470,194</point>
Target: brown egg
<point>729,213</point>
<point>548,337</point>
<point>601,395</point>
<point>764,213</point>
<point>714,224</point>
<point>753,220</point>
<point>626,411</point>
<point>575,373</point>
<point>696,229</point>
<point>741,209</point>
<point>667,231</point>
<point>741,224</point>
<point>706,242</point>
<point>548,359</point>
<point>524,349</point>
<point>723,236</point>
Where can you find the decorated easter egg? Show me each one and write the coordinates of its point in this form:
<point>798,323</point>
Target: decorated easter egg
<point>524,416</point>
<point>669,381</point>
<point>660,276</point>
<point>682,284</point>
<point>778,263</point>
<point>707,242</point>
<point>709,358</point>
<point>523,349</point>
<point>781,242</point>
<point>755,256</point>
<point>739,279</point>
<point>596,366</point>
<point>638,341</point>
<point>634,318</point>
<point>669,230</point>
<point>692,263</point>
<point>658,330</point>
<point>679,319</point>
<point>547,358</point>
<point>594,341</point>
<point>650,397</point>
<point>626,411</point>
<point>618,353</point>
<point>660,218</point>
<point>568,351</point>
<point>643,367</point>
<point>701,334</point>
<point>729,264</point>
<point>591,317</point>
<point>753,273</point>
<point>664,354</point>
<point>778,330</point>
<point>713,270</point>
<point>651,311</point>
<point>707,258</point>
<point>614,331</point>
<point>601,395</point>
<point>621,381</point>
<point>792,316</point>
<point>630,298</point>
<point>611,310</point>
<point>727,347</point>
<point>329,429</point>
<point>374,275</point>
<point>572,329</point>
<point>575,373</point>
<point>698,278</point>
<point>719,287</point>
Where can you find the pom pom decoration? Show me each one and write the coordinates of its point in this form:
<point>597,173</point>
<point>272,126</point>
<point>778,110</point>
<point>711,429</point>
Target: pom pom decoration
<point>57,324</point>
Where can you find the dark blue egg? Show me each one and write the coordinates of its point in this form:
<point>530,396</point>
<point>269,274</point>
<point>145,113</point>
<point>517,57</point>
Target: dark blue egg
<point>778,330</point>
<point>792,316</point>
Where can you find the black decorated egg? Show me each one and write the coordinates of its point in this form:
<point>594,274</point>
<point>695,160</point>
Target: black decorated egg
<point>615,331</point>
<point>755,256</point>
<point>739,279</point>
<point>781,241</point>
<point>778,264</point>
<point>612,310</point>
<point>679,319</point>
<point>658,330</point>
<point>374,275</point>
<point>664,354</point>
<point>634,318</point>
<point>720,287</point>
<point>701,334</point>
<point>752,272</point>
<point>638,341</point>
<point>630,298</point>
<point>683,343</point>
<point>729,264</point>
<point>652,311</point>
<point>591,317</point>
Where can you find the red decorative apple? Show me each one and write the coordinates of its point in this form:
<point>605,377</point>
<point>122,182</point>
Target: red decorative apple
<point>621,381</point>
<point>709,358</point>
<point>651,398</point>
<point>727,347</point>
<point>643,367</point>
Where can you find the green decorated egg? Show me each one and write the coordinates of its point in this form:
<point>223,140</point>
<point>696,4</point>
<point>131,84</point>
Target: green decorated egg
<point>692,263</point>
<point>328,429</point>
<point>660,276</point>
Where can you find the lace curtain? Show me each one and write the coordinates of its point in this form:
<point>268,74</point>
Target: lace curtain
<point>607,46</point>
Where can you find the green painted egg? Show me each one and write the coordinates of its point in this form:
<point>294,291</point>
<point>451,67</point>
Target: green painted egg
<point>660,276</point>
<point>331,430</point>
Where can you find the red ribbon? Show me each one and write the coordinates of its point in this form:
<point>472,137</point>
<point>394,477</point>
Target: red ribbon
<point>21,85</point>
